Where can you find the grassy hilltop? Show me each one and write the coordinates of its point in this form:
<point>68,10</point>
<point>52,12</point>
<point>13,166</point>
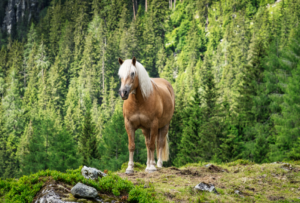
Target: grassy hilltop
<point>239,181</point>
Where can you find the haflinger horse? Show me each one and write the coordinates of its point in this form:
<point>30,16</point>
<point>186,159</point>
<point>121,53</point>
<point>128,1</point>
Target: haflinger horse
<point>149,105</point>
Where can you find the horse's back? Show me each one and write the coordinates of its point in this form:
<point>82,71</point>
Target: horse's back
<point>166,92</point>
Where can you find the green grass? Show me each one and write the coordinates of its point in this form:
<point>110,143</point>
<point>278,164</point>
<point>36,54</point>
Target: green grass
<point>256,182</point>
<point>25,189</point>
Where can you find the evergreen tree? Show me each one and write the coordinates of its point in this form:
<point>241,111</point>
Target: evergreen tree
<point>35,158</point>
<point>115,142</point>
<point>189,150</point>
<point>12,112</point>
<point>63,151</point>
<point>87,144</point>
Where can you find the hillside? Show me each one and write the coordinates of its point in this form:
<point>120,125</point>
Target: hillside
<point>234,66</point>
<point>239,181</point>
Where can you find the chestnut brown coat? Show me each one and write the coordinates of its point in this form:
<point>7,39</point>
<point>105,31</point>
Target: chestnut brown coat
<point>147,108</point>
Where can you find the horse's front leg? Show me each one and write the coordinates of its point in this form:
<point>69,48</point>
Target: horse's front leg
<point>150,142</point>
<point>131,145</point>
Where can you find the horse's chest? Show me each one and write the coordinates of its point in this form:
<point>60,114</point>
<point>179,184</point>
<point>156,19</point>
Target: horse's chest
<point>139,120</point>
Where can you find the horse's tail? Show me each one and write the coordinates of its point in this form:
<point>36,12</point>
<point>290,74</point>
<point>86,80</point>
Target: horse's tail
<point>165,151</point>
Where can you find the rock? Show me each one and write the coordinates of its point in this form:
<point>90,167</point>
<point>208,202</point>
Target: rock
<point>21,10</point>
<point>84,191</point>
<point>92,173</point>
<point>287,167</point>
<point>206,187</point>
<point>52,191</point>
<point>237,192</point>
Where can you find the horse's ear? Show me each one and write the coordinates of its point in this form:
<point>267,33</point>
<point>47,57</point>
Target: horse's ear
<point>134,60</point>
<point>120,61</point>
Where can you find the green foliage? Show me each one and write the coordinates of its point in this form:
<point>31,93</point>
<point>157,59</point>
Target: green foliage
<point>239,58</point>
<point>88,146</point>
<point>25,188</point>
<point>139,194</point>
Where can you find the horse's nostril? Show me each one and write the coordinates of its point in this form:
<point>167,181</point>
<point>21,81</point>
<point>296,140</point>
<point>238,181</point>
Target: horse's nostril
<point>125,92</point>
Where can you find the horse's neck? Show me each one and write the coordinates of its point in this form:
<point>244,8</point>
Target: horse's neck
<point>138,94</point>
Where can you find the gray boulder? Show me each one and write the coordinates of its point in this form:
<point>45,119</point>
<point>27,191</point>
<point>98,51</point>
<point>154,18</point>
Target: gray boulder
<point>91,173</point>
<point>206,187</point>
<point>84,191</point>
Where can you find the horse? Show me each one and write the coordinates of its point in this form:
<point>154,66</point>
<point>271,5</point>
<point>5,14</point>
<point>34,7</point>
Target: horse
<point>148,105</point>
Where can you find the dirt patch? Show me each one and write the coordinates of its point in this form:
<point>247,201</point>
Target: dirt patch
<point>169,195</point>
<point>189,172</point>
<point>274,198</point>
<point>216,169</point>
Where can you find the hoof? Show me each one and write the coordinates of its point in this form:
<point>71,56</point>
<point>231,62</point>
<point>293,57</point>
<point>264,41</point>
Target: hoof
<point>159,166</point>
<point>129,171</point>
<point>151,169</point>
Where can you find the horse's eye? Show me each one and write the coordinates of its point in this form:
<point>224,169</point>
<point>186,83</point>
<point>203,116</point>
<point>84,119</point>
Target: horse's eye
<point>132,74</point>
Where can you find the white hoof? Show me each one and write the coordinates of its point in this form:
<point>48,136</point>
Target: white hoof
<point>151,169</point>
<point>159,164</point>
<point>129,171</point>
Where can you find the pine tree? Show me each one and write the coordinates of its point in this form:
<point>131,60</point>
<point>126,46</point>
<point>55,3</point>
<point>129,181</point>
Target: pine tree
<point>36,157</point>
<point>87,144</point>
<point>12,111</point>
<point>210,131</point>
<point>63,151</point>
<point>189,150</point>
<point>115,142</point>
<point>3,140</point>
<point>286,124</point>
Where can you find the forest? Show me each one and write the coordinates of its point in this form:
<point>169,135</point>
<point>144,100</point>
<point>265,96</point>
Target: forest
<point>234,66</point>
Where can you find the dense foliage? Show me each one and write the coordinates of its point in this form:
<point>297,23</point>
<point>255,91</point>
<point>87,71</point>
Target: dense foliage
<point>234,66</point>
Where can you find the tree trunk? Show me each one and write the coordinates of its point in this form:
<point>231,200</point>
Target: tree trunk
<point>174,4</point>
<point>146,6</point>
<point>103,67</point>
<point>133,5</point>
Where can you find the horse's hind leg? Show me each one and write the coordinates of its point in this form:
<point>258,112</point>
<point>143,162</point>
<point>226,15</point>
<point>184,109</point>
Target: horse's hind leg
<point>161,144</point>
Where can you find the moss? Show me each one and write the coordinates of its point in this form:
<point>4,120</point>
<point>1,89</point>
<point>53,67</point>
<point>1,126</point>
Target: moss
<point>25,189</point>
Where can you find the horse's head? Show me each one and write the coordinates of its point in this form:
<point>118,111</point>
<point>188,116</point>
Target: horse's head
<point>129,78</point>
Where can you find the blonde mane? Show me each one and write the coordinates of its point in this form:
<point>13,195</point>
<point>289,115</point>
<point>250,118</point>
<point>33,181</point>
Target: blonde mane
<point>144,80</point>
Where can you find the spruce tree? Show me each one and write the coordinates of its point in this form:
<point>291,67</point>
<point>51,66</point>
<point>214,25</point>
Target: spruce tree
<point>36,158</point>
<point>88,144</point>
<point>115,142</point>
<point>63,151</point>
<point>189,149</point>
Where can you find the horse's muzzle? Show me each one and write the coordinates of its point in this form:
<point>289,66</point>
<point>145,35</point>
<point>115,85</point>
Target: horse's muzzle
<point>124,93</point>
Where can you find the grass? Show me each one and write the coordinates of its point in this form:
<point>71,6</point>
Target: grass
<point>25,188</point>
<point>255,182</point>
